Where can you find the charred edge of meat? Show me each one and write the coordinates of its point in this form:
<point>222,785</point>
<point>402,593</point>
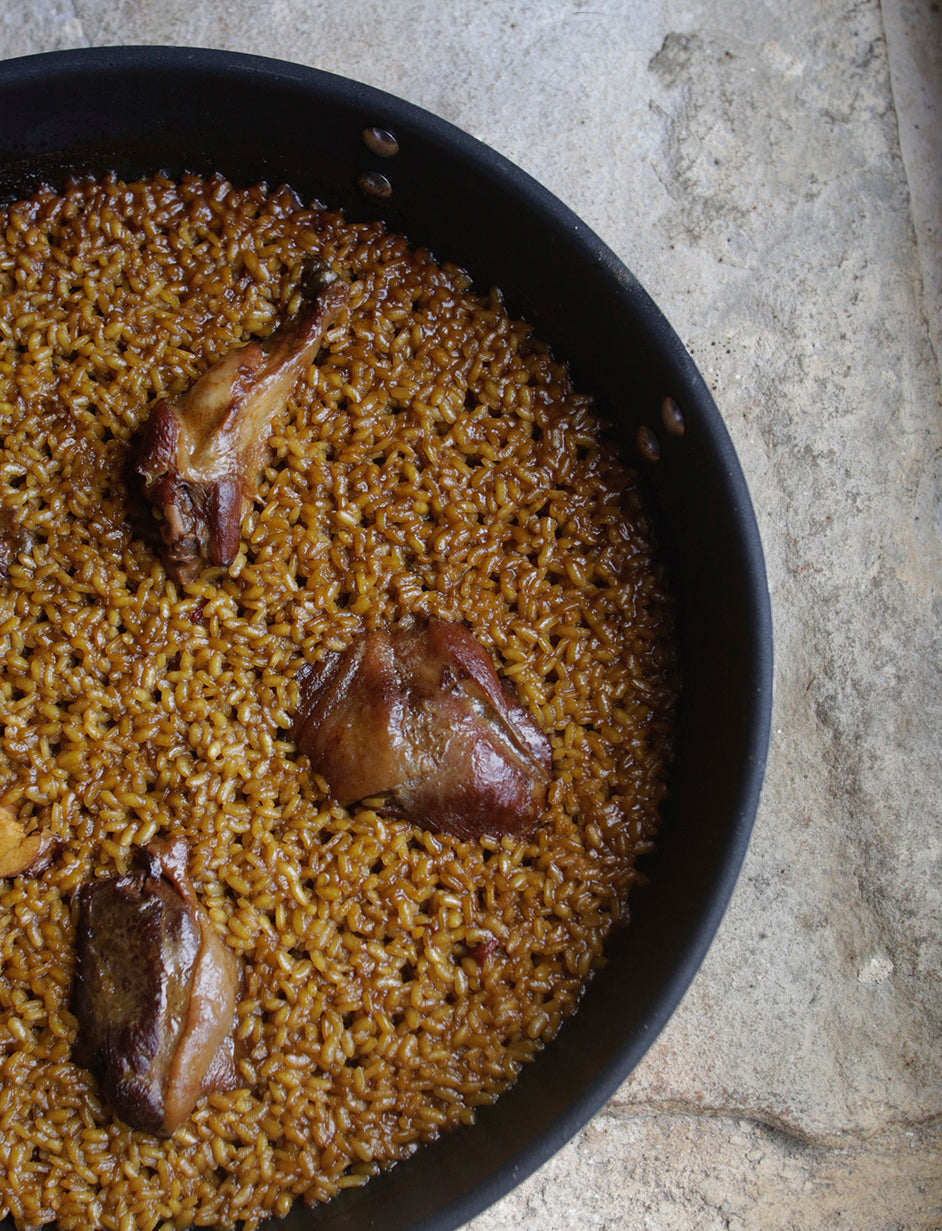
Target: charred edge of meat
<point>154,992</point>
<point>419,715</point>
<point>196,460</point>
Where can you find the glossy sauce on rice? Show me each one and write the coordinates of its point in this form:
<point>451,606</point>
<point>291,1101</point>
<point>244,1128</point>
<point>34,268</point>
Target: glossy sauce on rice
<point>436,460</point>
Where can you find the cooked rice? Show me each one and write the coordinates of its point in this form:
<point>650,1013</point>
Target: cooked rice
<point>436,460</point>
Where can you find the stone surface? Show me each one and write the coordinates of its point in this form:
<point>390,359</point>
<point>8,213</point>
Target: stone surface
<point>675,1171</point>
<point>914,50</point>
<point>745,160</point>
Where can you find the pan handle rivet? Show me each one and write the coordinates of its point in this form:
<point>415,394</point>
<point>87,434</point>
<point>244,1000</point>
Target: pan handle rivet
<point>648,444</point>
<point>375,185</point>
<point>673,417</point>
<point>381,142</point>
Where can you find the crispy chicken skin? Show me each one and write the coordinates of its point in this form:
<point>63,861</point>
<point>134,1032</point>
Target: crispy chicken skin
<point>154,992</point>
<point>418,714</point>
<point>198,458</point>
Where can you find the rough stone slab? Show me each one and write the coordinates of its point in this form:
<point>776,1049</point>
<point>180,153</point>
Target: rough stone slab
<point>673,1172</point>
<point>745,161</point>
<point>48,25</point>
<point>820,1006</point>
<point>914,50</point>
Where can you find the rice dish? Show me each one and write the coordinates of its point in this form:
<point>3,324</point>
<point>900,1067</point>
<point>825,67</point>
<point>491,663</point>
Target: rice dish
<point>434,461</point>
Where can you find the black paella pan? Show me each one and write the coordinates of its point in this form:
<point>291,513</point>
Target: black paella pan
<point>140,110</point>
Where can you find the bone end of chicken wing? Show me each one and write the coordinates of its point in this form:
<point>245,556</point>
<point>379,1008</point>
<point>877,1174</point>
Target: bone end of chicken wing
<point>197,458</point>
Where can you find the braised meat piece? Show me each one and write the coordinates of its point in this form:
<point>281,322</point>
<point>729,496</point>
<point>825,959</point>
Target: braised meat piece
<point>15,539</point>
<point>198,458</point>
<point>154,992</point>
<point>23,853</point>
<point>418,714</point>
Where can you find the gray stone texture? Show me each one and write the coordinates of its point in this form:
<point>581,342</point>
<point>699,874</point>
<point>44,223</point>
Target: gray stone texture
<point>773,174</point>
